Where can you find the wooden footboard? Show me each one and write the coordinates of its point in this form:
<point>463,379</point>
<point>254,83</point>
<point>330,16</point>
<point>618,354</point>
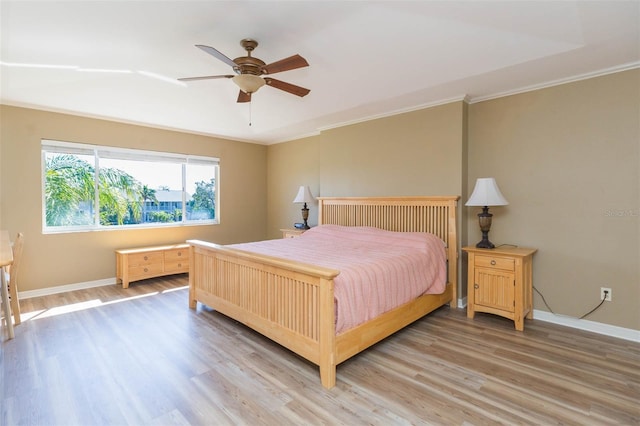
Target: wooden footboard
<point>289,302</point>
<point>292,303</point>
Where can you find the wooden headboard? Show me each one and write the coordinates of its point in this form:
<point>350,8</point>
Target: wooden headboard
<point>436,215</point>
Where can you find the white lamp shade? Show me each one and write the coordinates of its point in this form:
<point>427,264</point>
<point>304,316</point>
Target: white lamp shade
<point>486,193</point>
<point>248,83</point>
<point>304,195</point>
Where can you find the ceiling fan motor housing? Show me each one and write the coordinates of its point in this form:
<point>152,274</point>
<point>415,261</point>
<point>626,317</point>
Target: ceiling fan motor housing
<point>248,65</point>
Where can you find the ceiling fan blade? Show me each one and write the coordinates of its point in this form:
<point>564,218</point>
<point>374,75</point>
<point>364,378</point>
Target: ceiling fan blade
<point>244,97</point>
<point>286,64</point>
<point>287,87</point>
<point>206,77</point>
<point>214,52</point>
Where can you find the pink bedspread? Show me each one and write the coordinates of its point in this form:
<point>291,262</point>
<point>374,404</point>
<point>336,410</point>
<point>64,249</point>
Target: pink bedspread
<point>379,270</point>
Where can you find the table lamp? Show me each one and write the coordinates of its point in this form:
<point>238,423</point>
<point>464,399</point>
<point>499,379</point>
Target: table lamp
<point>485,194</point>
<point>304,196</point>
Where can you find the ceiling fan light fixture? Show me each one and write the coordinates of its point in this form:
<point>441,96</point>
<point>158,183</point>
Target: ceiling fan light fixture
<point>248,83</point>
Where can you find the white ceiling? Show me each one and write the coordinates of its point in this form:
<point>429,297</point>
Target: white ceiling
<point>367,58</point>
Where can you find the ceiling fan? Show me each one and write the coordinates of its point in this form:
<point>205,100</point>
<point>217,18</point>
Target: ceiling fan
<point>249,71</point>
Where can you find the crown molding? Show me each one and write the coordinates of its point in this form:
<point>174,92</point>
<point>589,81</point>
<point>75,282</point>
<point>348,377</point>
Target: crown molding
<point>552,83</point>
<point>459,98</point>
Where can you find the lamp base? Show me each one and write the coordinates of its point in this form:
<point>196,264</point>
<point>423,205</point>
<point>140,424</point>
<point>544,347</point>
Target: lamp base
<point>485,225</point>
<point>485,244</point>
<point>305,216</point>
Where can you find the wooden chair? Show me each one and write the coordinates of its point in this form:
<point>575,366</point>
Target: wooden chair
<point>13,277</point>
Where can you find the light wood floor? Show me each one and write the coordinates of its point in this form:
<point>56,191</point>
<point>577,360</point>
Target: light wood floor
<point>140,356</point>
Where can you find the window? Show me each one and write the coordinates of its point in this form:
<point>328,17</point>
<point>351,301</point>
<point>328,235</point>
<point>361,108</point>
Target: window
<point>88,187</point>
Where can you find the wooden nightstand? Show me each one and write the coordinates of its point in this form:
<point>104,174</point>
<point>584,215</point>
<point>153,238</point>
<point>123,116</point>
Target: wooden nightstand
<point>500,282</point>
<point>292,232</point>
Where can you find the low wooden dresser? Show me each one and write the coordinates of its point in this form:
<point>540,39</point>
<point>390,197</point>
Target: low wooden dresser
<point>147,262</point>
<point>500,282</point>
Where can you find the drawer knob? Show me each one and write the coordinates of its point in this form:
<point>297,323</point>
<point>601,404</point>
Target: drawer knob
<point>179,253</point>
<point>493,262</point>
<point>179,265</point>
<point>146,270</point>
<point>146,258</point>
<point>476,286</point>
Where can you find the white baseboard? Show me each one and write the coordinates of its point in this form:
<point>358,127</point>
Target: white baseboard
<point>595,327</point>
<point>567,321</point>
<point>64,288</point>
<point>462,303</point>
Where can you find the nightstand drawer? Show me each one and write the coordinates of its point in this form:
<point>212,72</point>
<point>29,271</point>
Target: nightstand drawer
<point>292,233</point>
<point>507,264</point>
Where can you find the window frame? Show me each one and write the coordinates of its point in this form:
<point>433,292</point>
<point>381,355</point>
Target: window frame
<point>101,151</point>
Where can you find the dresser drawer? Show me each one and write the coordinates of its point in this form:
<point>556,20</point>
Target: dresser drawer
<point>150,270</point>
<point>177,255</point>
<point>507,264</point>
<point>176,266</point>
<point>147,258</point>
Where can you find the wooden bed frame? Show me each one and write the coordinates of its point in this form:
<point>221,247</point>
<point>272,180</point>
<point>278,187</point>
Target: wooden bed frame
<point>292,303</point>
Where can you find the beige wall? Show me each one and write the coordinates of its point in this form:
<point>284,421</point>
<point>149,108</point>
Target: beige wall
<point>417,153</point>
<point>567,160</point>
<point>59,259</point>
<point>289,166</point>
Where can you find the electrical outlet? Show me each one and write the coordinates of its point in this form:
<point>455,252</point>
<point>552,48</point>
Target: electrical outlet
<point>606,297</point>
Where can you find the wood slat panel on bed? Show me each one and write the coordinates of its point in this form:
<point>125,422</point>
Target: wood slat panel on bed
<point>280,300</point>
<point>402,215</point>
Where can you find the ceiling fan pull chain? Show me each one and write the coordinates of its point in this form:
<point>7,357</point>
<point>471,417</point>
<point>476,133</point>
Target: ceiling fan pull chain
<point>249,113</point>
